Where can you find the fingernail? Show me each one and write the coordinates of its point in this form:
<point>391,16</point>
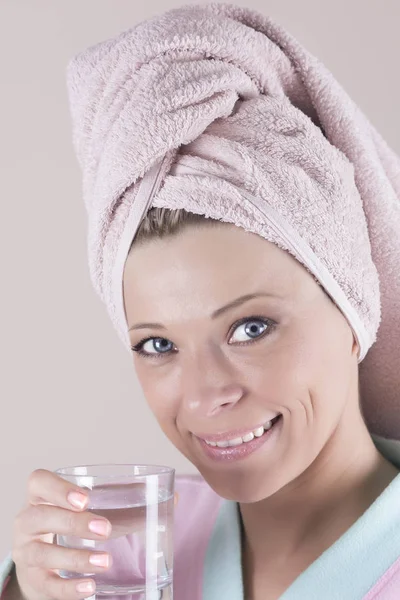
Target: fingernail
<point>100,560</point>
<point>77,499</point>
<point>85,586</point>
<point>100,527</point>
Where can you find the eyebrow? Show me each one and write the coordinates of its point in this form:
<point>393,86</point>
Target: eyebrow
<point>215,314</point>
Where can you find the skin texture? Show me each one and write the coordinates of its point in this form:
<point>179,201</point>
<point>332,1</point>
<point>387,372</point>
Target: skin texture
<point>324,470</point>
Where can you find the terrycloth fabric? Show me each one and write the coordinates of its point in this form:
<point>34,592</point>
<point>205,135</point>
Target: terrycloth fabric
<point>216,109</point>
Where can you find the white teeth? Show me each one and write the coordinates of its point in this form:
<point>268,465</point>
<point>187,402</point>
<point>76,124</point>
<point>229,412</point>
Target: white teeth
<point>223,444</point>
<point>258,432</point>
<point>246,438</point>
<point>236,442</point>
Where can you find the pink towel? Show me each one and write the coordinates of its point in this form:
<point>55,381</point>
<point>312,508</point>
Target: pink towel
<point>216,109</point>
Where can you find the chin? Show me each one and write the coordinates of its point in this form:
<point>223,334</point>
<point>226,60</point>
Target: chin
<point>242,486</point>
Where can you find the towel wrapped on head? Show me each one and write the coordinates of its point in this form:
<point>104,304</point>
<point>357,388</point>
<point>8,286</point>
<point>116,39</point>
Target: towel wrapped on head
<point>217,110</point>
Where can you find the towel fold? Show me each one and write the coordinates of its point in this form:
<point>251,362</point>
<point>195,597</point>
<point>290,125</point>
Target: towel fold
<point>216,109</point>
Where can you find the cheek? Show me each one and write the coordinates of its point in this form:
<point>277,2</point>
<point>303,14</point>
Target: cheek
<point>285,369</point>
<point>313,362</point>
<point>161,394</point>
<point>289,378</point>
<point>160,391</point>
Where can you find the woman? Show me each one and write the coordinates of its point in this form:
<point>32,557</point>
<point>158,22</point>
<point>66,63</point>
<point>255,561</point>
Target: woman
<point>288,354</point>
<point>247,327</point>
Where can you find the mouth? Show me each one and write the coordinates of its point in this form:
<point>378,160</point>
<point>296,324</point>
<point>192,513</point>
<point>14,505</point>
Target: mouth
<point>235,448</point>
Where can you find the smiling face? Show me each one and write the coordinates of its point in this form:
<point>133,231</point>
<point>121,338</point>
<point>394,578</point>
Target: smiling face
<point>221,374</point>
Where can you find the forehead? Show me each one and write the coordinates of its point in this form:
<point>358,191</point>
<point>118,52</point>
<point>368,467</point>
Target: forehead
<point>209,249</point>
<point>196,271</point>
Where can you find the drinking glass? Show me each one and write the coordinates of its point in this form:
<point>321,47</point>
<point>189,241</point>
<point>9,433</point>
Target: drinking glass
<point>138,500</point>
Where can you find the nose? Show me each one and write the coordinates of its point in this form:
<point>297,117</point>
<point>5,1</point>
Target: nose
<point>210,383</point>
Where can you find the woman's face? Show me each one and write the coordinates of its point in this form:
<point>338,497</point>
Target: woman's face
<point>220,370</point>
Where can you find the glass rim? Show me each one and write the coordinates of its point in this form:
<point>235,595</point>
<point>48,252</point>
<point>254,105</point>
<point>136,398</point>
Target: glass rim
<point>156,470</point>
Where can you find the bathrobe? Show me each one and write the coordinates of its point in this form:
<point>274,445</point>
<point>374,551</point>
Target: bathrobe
<point>363,564</point>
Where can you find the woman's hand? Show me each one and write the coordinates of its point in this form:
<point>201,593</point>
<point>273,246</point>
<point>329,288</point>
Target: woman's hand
<point>51,510</point>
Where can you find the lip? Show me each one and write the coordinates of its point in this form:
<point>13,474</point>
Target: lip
<point>233,453</point>
<point>232,434</point>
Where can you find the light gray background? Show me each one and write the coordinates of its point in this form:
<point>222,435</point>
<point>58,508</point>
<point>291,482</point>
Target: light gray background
<point>68,391</point>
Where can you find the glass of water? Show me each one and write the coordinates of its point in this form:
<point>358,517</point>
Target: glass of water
<point>138,500</point>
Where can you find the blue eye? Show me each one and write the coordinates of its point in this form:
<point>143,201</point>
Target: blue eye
<point>158,345</point>
<point>254,328</point>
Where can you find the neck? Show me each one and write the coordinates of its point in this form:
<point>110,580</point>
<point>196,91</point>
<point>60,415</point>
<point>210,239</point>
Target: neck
<point>310,513</point>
